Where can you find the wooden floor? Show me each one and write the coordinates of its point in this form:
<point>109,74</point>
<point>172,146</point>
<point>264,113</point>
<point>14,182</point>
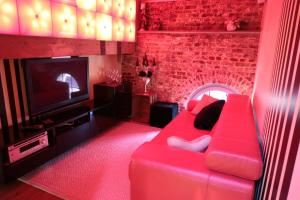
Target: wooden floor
<point>18,190</point>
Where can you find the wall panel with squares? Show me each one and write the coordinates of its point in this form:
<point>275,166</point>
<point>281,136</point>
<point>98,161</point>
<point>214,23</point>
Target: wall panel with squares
<point>85,19</point>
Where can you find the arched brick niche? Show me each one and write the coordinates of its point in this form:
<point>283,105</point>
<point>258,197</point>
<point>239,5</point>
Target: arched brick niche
<point>211,89</point>
<point>189,61</point>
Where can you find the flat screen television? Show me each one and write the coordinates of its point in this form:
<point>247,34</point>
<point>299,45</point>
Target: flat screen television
<point>54,83</point>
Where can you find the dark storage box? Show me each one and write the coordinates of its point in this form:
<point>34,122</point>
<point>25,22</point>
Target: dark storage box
<point>161,113</point>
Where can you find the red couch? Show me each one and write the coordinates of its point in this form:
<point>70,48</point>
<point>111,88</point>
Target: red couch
<point>226,171</point>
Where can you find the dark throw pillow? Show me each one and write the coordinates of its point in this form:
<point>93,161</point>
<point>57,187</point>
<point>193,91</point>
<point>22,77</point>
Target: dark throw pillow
<point>209,115</point>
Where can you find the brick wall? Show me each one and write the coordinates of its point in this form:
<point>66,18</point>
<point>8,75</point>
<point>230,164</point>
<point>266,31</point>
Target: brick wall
<point>187,60</point>
<point>204,14</point>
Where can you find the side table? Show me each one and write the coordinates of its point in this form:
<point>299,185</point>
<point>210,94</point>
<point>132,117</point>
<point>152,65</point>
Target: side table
<point>141,106</point>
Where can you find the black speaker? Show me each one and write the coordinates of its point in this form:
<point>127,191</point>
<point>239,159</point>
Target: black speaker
<point>115,101</point>
<point>103,94</point>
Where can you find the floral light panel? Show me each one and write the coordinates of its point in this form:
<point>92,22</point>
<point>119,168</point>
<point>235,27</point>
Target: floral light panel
<point>35,17</point>
<point>87,4</point>
<point>85,19</point>
<point>118,8</point>
<point>8,17</point>
<point>104,27</point>
<point>64,20</point>
<point>86,24</point>
<point>104,6</point>
<point>129,32</point>
<point>130,10</point>
<point>118,29</point>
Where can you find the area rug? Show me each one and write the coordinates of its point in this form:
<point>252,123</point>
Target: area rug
<point>96,169</point>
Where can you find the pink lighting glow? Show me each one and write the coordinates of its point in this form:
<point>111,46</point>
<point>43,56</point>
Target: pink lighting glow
<point>104,6</point>
<point>86,19</point>
<point>86,24</point>
<point>8,17</point>
<point>104,27</point>
<point>130,32</point>
<point>35,17</point>
<point>118,8</point>
<point>87,4</point>
<point>130,9</point>
<point>118,29</point>
<point>64,20</point>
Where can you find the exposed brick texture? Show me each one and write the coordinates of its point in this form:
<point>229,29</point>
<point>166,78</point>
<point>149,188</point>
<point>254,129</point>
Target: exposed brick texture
<point>188,61</point>
<point>204,14</point>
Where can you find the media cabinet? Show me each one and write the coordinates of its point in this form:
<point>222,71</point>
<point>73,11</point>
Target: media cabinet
<point>67,130</point>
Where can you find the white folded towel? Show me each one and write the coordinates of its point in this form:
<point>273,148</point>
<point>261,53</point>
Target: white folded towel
<point>199,144</point>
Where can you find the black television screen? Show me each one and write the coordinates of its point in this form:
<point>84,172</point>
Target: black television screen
<point>54,83</point>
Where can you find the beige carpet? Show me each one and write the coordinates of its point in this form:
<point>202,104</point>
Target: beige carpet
<point>97,169</point>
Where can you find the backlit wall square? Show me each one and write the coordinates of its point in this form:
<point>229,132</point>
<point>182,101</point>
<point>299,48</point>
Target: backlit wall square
<point>118,8</point>
<point>35,17</point>
<point>69,2</point>
<point>86,24</point>
<point>104,27</point>
<point>87,4</point>
<point>129,32</point>
<point>64,20</point>
<point>130,10</point>
<point>118,29</point>
<point>8,17</point>
<point>104,6</point>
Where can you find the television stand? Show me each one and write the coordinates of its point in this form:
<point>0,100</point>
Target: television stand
<point>71,128</point>
<point>66,130</point>
<point>47,122</point>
